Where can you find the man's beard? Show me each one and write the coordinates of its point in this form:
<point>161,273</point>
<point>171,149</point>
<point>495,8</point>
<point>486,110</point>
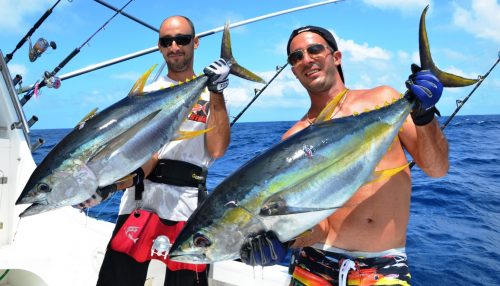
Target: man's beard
<point>179,66</point>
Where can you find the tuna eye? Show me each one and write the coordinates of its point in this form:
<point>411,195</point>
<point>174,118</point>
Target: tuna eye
<point>199,240</point>
<point>42,188</point>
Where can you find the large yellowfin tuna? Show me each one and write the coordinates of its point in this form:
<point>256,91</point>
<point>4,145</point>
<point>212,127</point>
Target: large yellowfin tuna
<point>111,144</point>
<point>294,185</point>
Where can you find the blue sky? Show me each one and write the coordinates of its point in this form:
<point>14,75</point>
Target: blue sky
<point>378,38</point>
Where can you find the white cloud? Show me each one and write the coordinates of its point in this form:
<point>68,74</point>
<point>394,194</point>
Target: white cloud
<point>363,52</point>
<point>404,6</point>
<point>18,69</point>
<point>13,13</point>
<point>481,20</point>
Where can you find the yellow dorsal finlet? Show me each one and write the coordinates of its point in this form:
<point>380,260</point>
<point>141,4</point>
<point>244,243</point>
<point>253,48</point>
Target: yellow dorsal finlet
<point>137,88</point>
<point>327,112</point>
<point>89,115</point>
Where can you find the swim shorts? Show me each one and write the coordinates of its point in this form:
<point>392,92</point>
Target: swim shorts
<point>314,267</point>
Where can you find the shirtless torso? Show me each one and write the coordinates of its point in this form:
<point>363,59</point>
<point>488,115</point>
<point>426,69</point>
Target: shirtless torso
<point>376,217</point>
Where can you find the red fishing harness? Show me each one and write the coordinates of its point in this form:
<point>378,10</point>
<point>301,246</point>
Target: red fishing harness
<point>144,236</point>
<point>137,235</point>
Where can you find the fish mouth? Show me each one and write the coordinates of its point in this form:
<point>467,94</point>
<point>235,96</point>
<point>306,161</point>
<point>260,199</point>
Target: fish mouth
<point>193,258</point>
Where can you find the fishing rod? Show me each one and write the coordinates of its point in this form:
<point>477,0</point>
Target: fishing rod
<point>461,103</point>
<point>49,78</point>
<point>203,34</point>
<point>8,57</point>
<point>258,92</point>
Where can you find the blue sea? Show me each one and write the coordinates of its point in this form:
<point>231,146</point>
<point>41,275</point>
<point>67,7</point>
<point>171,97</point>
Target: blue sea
<point>454,229</point>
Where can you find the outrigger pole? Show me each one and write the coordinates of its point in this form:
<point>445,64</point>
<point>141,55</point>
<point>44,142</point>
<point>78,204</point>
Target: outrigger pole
<point>127,15</point>
<point>203,34</point>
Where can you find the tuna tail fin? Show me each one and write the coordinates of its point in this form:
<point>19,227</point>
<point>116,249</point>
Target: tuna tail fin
<point>426,62</point>
<point>227,54</point>
<point>137,88</point>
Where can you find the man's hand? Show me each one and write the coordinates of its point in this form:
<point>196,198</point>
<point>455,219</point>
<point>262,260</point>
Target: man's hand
<point>100,195</point>
<point>263,249</point>
<point>427,90</point>
<point>217,73</point>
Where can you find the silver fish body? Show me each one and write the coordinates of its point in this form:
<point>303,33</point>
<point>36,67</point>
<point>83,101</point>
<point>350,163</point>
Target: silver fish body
<point>292,186</point>
<point>109,146</point>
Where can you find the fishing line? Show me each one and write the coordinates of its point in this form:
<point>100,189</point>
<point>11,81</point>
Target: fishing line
<point>259,92</point>
<point>8,57</point>
<point>461,103</point>
<point>49,78</point>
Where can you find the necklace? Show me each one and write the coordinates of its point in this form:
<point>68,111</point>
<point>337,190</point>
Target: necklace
<point>327,112</point>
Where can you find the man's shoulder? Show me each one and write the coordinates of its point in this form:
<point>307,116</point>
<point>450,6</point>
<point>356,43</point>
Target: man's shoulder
<point>380,92</point>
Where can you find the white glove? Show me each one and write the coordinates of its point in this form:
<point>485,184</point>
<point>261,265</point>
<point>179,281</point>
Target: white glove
<point>217,73</point>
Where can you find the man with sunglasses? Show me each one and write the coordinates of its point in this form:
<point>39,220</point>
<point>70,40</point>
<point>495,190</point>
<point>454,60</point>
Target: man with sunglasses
<point>173,181</point>
<point>363,242</point>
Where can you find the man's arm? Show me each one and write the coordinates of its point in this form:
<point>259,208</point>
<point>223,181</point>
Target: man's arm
<point>424,139</point>
<point>218,138</point>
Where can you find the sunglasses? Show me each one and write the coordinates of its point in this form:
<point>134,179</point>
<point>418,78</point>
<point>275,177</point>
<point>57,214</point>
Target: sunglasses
<point>180,40</point>
<point>312,50</point>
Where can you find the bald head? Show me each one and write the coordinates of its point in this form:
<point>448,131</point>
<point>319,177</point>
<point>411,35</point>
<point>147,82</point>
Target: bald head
<point>177,23</point>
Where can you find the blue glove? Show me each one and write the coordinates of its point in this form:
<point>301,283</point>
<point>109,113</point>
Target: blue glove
<point>217,73</point>
<point>263,249</point>
<point>427,89</point>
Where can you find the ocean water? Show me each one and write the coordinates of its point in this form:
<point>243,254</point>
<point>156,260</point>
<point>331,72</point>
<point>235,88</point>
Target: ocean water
<point>454,228</point>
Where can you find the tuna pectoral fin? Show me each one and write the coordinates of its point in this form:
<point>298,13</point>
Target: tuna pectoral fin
<point>140,83</point>
<point>385,174</point>
<point>227,54</point>
<point>294,210</point>
<point>191,134</point>
<point>278,206</point>
<point>107,149</point>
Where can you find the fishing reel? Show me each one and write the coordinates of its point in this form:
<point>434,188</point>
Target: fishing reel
<point>51,81</point>
<point>39,48</point>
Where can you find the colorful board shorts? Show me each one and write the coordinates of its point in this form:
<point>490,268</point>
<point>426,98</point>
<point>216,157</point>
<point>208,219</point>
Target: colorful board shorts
<point>313,267</point>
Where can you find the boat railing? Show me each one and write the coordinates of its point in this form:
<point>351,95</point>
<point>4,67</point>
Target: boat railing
<point>21,122</point>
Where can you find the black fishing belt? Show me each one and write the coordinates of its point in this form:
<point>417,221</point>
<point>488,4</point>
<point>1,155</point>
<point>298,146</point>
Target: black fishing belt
<point>178,173</point>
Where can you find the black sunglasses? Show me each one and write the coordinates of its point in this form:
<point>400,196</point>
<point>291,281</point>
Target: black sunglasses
<point>298,55</point>
<point>180,40</point>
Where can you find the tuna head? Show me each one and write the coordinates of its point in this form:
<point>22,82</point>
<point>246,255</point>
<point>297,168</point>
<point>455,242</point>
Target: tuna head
<point>69,184</point>
<point>207,240</point>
